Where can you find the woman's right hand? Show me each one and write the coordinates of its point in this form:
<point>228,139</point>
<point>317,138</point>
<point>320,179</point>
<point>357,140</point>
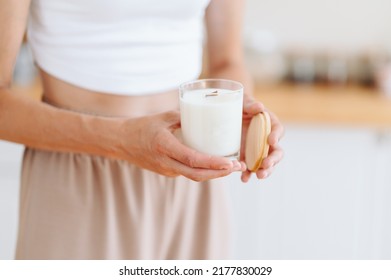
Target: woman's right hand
<point>150,143</point>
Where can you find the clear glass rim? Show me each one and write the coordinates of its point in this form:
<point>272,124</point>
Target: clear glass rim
<point>235,85</point>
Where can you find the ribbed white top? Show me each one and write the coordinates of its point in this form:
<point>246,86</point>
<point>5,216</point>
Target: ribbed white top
<point>125,47</point>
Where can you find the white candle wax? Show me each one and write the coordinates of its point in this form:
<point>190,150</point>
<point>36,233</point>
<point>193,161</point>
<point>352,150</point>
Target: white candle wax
<point>212,123</point>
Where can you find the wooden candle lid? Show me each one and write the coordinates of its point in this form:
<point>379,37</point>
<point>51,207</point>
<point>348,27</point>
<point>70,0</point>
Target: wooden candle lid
<point>257,147</point>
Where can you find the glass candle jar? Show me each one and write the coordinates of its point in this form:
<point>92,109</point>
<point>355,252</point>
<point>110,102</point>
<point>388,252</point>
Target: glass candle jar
<point>211,116</point>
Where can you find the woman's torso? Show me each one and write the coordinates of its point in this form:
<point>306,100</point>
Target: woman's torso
<point>67,96</point>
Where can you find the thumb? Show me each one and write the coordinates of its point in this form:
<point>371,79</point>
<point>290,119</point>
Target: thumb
<point>172,118</point>
<point>252,107</point>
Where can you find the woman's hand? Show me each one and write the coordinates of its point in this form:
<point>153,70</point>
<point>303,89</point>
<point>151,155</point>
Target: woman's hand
<point>150,143</point>
<point>251,108</point>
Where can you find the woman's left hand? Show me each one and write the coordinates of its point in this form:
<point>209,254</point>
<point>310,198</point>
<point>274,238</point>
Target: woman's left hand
<point>251,108</point>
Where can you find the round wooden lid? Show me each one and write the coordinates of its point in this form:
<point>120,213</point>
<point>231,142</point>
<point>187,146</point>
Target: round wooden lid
<point>257,147</point>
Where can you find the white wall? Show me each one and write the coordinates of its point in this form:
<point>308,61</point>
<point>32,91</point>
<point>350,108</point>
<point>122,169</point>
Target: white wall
<point>337,24</point>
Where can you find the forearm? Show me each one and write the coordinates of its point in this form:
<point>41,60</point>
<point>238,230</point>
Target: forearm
<point>42,126</point>
<point>224,43</point>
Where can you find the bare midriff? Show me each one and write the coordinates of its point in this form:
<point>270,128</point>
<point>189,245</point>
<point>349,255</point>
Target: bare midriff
<point>67,96</point>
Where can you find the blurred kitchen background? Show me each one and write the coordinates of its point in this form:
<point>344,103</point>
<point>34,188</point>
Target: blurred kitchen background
<point>324,67</point>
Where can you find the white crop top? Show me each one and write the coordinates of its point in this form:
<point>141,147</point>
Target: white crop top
<point>127,47</point>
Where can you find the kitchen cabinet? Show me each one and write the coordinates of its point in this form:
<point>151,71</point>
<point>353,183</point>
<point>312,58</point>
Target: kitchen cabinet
<point>328,199</point>
<point>10,158</point>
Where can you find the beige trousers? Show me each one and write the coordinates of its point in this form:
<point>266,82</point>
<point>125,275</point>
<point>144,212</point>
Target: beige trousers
<point>77,206</point>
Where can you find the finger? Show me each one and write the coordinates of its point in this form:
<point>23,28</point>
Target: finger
<point>245,176</point>
<point>172,147</point>
<point>197,174</point>
<point>264,173</point>
<point>277,130</point>
<point>273,158</point>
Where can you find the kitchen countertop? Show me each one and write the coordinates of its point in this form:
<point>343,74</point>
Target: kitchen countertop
<point>344,105</point>
<point>305,104</point>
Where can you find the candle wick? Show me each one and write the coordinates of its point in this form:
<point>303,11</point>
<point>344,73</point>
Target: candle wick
<point>213,93</point>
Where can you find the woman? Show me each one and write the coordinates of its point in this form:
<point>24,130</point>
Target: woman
<point>103,175</point>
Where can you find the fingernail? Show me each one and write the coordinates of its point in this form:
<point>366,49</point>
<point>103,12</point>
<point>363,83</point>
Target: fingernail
<point>262,175</point>
<point>227,165</point>
<point>243,166</point>
<point>270,165</point>
<point>237,165</point>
